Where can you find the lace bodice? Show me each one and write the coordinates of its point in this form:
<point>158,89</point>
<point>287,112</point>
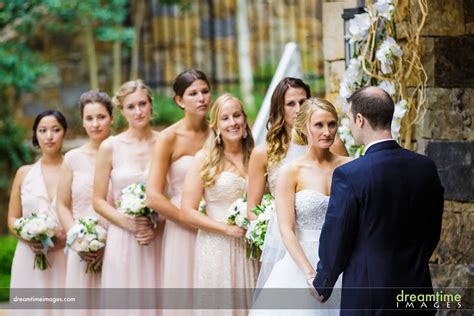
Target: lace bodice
<point>310,208</point>
<point>228,188</point>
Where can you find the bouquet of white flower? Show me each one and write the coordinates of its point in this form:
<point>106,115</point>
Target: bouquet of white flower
<point>87,236</point>
<point>133,202</point>
<point>257,229</point>
<point>37,228</point>
<point>238,213</point>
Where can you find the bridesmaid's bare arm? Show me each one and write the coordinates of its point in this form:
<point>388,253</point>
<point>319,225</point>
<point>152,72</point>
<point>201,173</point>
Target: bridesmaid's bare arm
<point>160,163</point>
<point>103,170</point>
<point>257,178</point>
<point>63,197</point>
<point>193,191</point>
<point>15,210</point>
<point>285,209</point>
<point>14,205</point>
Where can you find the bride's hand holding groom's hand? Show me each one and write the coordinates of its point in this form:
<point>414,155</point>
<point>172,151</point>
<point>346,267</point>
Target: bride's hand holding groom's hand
<point>312,290</point>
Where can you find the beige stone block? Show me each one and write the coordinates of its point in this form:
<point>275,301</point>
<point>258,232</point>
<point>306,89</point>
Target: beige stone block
<point>451,276</point>
<point>351,4</point>
<point>456,242</point>
<point>438,98</point>
<point>445,18</point>
<point>333,31</point>
<point>333,72</point>
<point>447,125</point>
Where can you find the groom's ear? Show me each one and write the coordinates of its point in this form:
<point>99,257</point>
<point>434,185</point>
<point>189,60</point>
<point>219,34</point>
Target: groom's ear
<point>360,120</point>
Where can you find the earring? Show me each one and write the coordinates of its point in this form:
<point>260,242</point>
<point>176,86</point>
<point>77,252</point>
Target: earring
<point>218,137</point>
<point>245,134</point>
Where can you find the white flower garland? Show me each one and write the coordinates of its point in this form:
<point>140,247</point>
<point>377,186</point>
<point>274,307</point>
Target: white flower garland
<point>387,54</point>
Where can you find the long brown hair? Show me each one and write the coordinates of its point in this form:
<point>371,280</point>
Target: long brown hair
<point>277,138</point>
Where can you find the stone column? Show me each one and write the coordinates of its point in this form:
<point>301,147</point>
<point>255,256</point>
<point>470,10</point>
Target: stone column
<point>446,132</point>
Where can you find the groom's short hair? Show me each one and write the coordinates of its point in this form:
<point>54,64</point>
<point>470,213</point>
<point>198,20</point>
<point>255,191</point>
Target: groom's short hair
<point>375,104</point>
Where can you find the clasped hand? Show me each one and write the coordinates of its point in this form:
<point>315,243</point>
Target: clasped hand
<point>144,230</point>
<point>59,243</point>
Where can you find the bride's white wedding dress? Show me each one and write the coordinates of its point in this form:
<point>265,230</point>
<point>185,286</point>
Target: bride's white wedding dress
<point>310,209</point>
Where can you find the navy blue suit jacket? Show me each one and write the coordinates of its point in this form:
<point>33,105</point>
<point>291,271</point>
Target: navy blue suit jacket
<point>382,225</point>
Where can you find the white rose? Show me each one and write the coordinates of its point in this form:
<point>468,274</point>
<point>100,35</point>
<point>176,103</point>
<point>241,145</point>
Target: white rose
<point>25,233</point>
<point>239,220</point>
<point>90,237</point>
<point>37,226</point>
<point>19,222</point>
<point>101,233</point>
<point>80,244</point>
<point>95,245</point>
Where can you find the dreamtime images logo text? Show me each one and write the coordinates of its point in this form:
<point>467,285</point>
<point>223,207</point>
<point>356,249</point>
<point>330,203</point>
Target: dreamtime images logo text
<point>429,301</point>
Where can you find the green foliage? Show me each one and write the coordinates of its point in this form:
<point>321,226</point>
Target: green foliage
<point>6,257</point>
<point>20,67</point>
<point>106,17</point>
<point>12,150</point>
<point>165,110</point>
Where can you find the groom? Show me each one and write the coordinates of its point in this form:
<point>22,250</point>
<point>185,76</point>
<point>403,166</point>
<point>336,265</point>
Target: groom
<point>384,217</point>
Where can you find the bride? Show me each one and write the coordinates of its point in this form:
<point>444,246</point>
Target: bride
<point>302,195</point>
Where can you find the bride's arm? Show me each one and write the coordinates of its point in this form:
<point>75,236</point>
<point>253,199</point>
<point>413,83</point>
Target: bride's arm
<point>193,190</point>
<point>285,209</point>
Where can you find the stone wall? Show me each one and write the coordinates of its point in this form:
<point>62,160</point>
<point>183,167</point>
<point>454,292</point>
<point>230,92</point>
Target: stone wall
<point>333,45</point>
<point>445,131</point>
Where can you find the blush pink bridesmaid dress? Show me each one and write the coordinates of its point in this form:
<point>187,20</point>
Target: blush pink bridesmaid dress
<point>126,263</point>
<point>178,266</point>
<point>34,199</point>
<point>82,165</point>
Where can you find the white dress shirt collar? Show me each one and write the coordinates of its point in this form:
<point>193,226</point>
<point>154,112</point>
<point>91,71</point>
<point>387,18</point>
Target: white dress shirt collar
<point>376,142</point>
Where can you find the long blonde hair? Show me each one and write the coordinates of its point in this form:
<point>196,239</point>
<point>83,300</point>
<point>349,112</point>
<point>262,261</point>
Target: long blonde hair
<point>277,138</point>
<point>304,115</point>
<point>214,147</point>
<point>130,87</point>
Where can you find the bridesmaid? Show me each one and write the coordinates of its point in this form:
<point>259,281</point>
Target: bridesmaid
<point>173,152</point>
<point>124,159</point>
<point>34,191</point>
<point>219,174</point>
<point>266,159</point>
<point>74,197</point>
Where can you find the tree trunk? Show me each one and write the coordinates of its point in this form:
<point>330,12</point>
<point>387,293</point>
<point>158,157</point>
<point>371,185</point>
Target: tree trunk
<point>137,27</point>
<point>245,66</point>
<point>117,65</point>
<point>91,57</point>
